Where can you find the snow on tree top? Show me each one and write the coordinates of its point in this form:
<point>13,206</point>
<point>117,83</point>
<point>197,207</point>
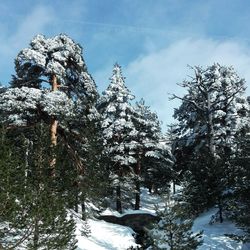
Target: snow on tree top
<point>22,104</point>
<point>117,86</point>
<point>50,56</point>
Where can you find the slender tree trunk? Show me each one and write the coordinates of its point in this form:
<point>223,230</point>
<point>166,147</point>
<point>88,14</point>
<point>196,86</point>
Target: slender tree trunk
<point>83,207</point>
<point>220,209</point>
<point>150,188</point>
<point>76,202</point>
<point>36,234</point>
<point>211,142</point>
<point>174,190</point>
<point>138,184</point>
<point>53,129</point>
<point>54,122</point>
<point>118,199</point>
<point>171,241</point>
<point>83,210</point>
<point>137,195</point>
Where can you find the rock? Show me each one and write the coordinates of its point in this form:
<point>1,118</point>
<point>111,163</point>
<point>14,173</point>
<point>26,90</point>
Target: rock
<point>137,221</point>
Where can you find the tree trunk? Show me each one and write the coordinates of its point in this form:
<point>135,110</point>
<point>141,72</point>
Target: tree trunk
<point>211,143</point>
<point>118,199</point>
<point>54,122</point>
<point>174,190</point>
<point>82,201</point>
<point>36,235</point>
<point>83,210</point>
<point>53,129</point>
<point>137,185</point>
<point>137,195</point>
<point>171,241</point>
<point>76,203</point>
<point>220,210</point>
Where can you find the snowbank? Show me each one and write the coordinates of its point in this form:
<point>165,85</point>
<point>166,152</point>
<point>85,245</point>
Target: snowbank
<point>214,235</point>
<point>104,235</point>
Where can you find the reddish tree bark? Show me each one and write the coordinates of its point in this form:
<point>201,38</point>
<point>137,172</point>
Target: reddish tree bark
<point>53,128</point>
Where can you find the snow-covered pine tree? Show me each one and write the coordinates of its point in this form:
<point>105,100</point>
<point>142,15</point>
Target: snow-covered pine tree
<point>209,118</point>
<point>52,85</point>
<point>118,130</point>
<point>240,206</point>
<point>146,139</point>
<point>152,154</point>
<point>173,231</point>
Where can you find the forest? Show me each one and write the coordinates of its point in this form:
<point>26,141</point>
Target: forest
<point>64,146</point>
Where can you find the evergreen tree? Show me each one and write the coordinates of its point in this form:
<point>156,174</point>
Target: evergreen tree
<point>240,206</point>
<point>12,181</point>
<point>50,64</point>
<point>52,85</point>
<point>153,156</point>
<point>211,115</point>
<point>38,218</point>
<point>118,131</point>
<point>173,231</point>
<point>148,133</point>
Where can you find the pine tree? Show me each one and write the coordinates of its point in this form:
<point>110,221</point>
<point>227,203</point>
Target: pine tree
<point>118,131</point>
<point>173,231</point>
<point>12,181</point>
<point>38,218</point>
<point>52,85</point>
<point>240,206</point>
<point>148,133</point>
<point>153,155</point>
<point>210,116</point>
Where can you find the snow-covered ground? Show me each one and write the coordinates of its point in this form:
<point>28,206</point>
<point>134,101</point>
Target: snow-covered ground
<point>108,236</point>
<point>105,235</point>
<point>214,235</point>
<point>115,237</point>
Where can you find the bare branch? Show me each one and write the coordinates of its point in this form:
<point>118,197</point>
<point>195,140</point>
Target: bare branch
<point>186,100</point>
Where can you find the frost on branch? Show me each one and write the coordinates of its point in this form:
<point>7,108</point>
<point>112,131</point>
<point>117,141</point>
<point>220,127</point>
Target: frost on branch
<point>19,105</point>
<point>22,106</point>
<point>117,124</point>
<point>59,56</point>
<point>213,108</point>
<point>48,56</point>
<point>59,59</point>
<point>57,103</point>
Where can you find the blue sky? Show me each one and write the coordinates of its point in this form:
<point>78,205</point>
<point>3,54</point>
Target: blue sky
<point>153,40</point>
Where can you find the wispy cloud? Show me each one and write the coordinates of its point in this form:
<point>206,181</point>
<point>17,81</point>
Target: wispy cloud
<point>40,18</point>
<point>150,39</point>
<point>154,75</point>
<point>37,21</point>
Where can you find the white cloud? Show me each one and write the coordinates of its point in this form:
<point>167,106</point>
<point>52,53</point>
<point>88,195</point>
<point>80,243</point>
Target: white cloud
<point>37,21</point>
<point>154,75</point>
